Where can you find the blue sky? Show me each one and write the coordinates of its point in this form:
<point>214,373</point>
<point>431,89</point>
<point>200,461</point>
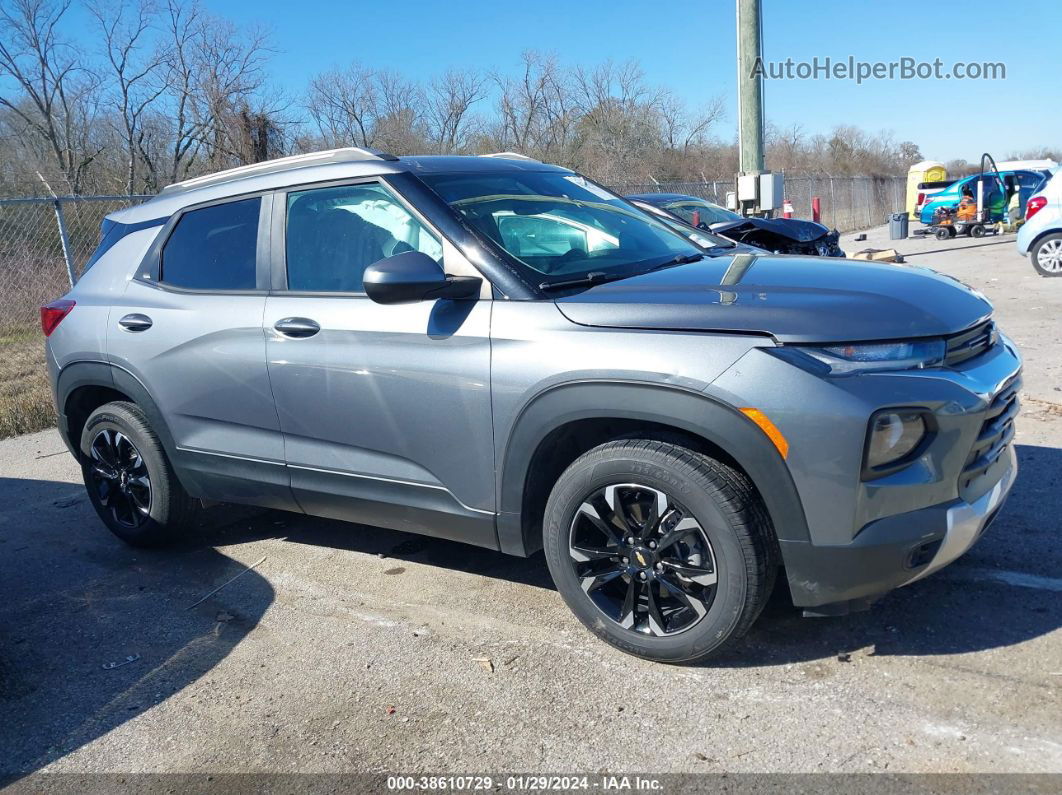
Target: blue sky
<point>689,47</point>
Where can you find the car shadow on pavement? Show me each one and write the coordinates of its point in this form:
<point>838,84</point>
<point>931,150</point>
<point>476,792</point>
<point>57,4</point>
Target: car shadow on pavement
<point>972,605</point>
<point>94,633</point>
<point>414,548</point>
<point>954,611</point>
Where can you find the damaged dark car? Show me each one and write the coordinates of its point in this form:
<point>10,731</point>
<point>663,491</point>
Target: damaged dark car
<point>778,235</point>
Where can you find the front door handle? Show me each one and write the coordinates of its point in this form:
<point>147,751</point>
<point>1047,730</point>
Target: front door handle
<point>297,327</point>
<point>135,322</point>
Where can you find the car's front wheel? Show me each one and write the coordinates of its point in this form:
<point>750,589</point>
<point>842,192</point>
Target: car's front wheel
<point>130,482</point>
<point>1047,255</point>
<point>660,551</point>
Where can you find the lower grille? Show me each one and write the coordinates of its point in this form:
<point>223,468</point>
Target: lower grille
<point>996,434</point>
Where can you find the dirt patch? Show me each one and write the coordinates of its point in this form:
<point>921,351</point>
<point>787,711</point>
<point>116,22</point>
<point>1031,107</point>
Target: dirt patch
<point>1043,408</point>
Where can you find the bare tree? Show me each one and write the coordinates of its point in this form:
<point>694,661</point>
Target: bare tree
<point>619,127</point>
<point>134,64</point>
<point>344,105</point>
<point>56,101</point>
<point>184,24</point>
<point>537,110</point>
<point>682,127</point>
<point>172,90</point>
<point>399,114</point>
<point>358,106</point>
<point>230,71</point>
<point>448,107</point>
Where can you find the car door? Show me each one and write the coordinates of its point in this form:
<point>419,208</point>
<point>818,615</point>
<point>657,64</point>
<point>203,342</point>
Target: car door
<point>1028,183</point>
<point>189,328</point>
<point>385,410</point>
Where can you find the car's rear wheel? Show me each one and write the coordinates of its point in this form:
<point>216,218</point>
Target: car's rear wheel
<point>1047,256</point>
<point>660,551</point>
<point>130,482</point>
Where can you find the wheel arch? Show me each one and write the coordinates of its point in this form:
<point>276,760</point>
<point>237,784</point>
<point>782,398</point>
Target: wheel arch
<point>82,387</point>
<point>710,425</point>
<point>1039,238</point>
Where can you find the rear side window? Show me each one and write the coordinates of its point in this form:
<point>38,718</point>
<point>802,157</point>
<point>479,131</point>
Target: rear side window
<point>213,248</point>
<point>111,232</point>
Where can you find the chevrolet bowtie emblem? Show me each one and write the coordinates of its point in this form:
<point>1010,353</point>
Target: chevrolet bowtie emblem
<point>640,557</point>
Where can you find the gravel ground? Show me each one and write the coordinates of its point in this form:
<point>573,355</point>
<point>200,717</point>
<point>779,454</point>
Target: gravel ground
<point>351,648</point>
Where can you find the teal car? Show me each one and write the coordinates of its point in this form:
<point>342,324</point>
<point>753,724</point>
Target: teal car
<point>996,190</point>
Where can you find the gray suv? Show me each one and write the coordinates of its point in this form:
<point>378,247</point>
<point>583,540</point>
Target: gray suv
<point>501,352</point>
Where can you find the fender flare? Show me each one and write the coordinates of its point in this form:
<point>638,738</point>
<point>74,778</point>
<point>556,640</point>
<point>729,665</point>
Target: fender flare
<point>80,374</point>
<point>684,409</point>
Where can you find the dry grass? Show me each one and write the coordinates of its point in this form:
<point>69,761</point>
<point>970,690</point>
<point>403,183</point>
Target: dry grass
<point>25,395</point>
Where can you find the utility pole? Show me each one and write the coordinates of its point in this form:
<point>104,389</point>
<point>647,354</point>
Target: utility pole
<point>750,87</point>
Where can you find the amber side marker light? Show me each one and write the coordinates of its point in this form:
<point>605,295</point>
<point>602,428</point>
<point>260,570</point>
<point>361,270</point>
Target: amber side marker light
<point>769,429</point>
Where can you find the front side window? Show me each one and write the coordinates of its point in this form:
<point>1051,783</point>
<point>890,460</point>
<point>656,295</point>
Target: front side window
<point>334,234</point>
<point>560,225</point>
<point>213,248</point>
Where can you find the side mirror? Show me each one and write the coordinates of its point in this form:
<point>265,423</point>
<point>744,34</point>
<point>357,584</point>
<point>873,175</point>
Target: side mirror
<point>412,276</point>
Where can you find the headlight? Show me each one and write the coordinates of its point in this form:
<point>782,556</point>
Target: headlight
<point>875,357</point>
<point>892,436</point>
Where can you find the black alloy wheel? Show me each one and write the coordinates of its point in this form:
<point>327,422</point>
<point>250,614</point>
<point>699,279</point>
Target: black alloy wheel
<point>643,559</point>
<point>120,477</point>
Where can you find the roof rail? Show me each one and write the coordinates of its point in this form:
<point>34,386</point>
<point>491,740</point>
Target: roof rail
<point>510,156</point>
<point>347,154</point>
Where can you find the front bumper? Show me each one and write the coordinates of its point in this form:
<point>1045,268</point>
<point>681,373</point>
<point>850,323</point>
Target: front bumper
<point>966,521</point>
<point>892,552</point>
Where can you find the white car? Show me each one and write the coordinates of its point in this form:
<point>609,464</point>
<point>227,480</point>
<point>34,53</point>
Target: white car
<point>1041,235</point>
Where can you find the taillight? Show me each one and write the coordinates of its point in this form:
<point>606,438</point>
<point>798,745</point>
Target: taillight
<point>52,314</point>
<point>921,200</point>
<point>1035,204</point>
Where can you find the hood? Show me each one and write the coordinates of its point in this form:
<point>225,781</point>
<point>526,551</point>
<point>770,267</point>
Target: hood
<point>790,228</point>
<point>793,299</point>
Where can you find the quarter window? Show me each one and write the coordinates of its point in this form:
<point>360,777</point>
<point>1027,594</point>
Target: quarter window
<point>333,234</point>
<point>213,248</point>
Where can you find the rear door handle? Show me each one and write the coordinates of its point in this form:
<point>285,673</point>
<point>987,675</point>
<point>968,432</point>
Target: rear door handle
<point>297,327</point>
<point>135,322</point>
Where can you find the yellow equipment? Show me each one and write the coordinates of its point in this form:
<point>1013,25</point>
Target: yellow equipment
<point>925,171</point>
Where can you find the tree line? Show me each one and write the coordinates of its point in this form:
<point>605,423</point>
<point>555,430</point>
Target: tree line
<point>150,92</point>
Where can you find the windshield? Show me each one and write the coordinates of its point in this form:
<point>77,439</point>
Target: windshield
<point>701,238</point>
<point>701,212</point>
<point>560,225</point>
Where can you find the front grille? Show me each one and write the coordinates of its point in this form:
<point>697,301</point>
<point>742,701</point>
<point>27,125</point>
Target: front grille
<point>970,343</point>
<point>996,434</point>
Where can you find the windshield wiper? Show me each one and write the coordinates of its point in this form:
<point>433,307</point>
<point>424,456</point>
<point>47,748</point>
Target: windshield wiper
<point>682,259</point>
<point>593,277</point>
<point>600,277</point>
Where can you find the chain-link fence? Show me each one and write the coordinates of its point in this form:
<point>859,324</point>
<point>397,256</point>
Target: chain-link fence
<point>847,203</point>
<point>44,244</point>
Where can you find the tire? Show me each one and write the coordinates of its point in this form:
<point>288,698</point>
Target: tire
<point>1046,255</point>
<point>977,231</point>
<point>942,233</point>
<point>129,479</point>
<point>716,546</point>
